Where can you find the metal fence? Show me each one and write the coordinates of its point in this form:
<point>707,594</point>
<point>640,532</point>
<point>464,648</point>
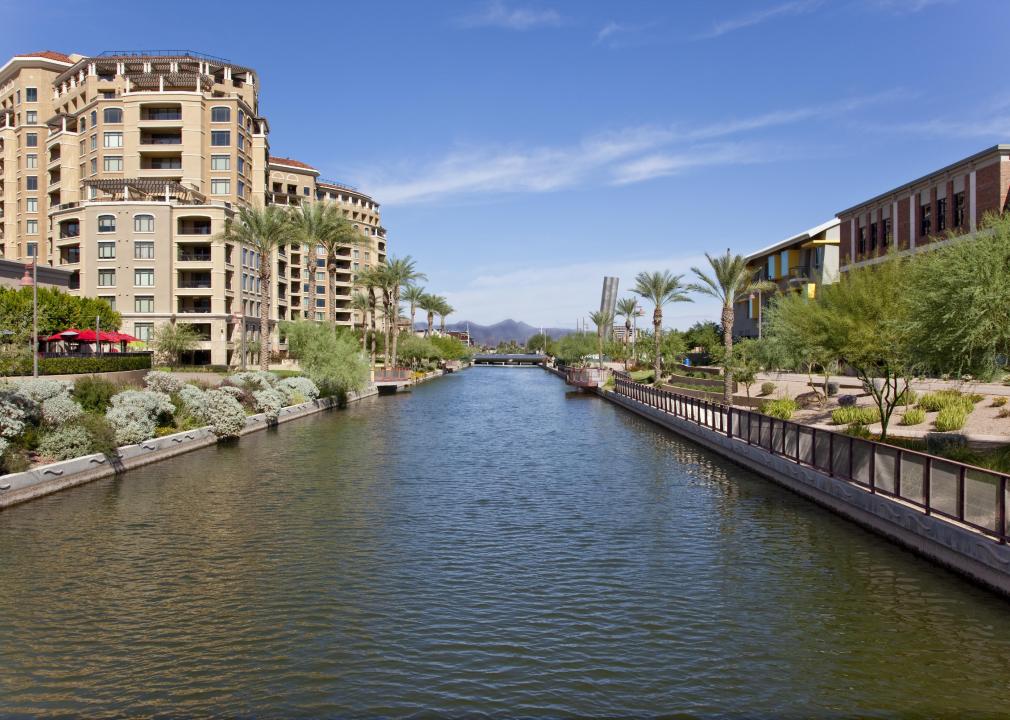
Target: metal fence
<point>966,494</point>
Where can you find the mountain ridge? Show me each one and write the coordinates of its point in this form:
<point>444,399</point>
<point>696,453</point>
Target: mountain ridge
<point>502,331</point>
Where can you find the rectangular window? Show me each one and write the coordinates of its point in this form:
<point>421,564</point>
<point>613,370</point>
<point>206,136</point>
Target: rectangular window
<point>241,189</point>
<point>94,166</point>
<point>32,117</point>
<point>320,289</point>
<point>143,223</point>
<point>113,139</point>
<point>320,277</point>
<point>220,162</point>
<point>220,186</point>
<point>112,163</point>
<point>241,141</point>
<point>941,214</point>
<point>32,227</point>
<point>861,247</point>
<point>873,236</point>
<point>32,182</point>
<point>31,94</point>
<point>142,331</point>
<point>143,304</point>
<point>106,251</point>
<point>887,232</point>
<point>220,138</point>
<point>111,299</point>
<point>32,139</point>
<point>31,161</point>
<point>106,277</point>
<point>220,114</point>
<point>143,250</point>
<point>32,205</point>
<point>112,115</point>
<point>143,278</point>
<point>94,142</point>
<point>241,166</point>
<point>33,248</point>
<point>959,209</point>
<point>925,221</point>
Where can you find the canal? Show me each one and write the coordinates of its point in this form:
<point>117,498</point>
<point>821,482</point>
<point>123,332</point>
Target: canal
<point>489,543</point>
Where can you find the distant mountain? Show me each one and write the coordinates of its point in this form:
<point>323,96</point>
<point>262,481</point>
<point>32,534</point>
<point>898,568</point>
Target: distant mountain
<point>503,331</point>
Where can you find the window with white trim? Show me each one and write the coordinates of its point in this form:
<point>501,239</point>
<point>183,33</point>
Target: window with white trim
<point>112,163</point>
<point>106,223</point>
<point>220,162</point>
<point>220,186</point>
<point>143,277</point>
<point>143,223</point>
<point>106,277</point>
<point>112,139</point>
<point>143,250</point>
<point>106,251</point>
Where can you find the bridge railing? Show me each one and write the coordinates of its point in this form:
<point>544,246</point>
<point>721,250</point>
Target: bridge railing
<point>972,496</point>
<point>393,374</point>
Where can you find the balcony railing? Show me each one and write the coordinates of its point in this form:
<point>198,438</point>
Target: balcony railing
<point>194,284</point>
<point>194,257</point>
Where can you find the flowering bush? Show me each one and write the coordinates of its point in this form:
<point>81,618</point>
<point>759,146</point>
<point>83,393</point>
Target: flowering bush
<point>16,412</point>
<point>156,404</point>
<point>224,414</point>
<point>60,410</point>
<point>269,402</point>
<point>162,382</point>
<point>65,443</point>
<point>40,389</point>
<point>293,387</point>
<point>131,423</point>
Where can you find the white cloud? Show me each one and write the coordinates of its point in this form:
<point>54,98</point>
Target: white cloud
<point>797,7</point>
<point>610,30</point>
<point>497,14</point>
<point>620,157</point>
<point>907,7</point>
<point>555,296</point>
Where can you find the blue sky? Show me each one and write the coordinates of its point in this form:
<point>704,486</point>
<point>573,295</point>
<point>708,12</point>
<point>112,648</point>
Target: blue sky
<point>521,149</point>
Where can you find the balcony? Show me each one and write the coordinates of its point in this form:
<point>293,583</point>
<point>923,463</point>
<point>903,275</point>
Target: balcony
<point>70,229</point>
<point>194,226</point>
<point>157,139</point>
<point>194,255</point>
<point>194,306</point>
<point>70,255</point>
<point>194,281</point>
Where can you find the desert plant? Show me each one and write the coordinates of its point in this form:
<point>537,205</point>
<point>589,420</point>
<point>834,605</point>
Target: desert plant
<point>224,414</point>
<point>847,400</point>
<point>16,412</point>
<point>1003,413</point>
<point>39,389</point>
<point>269,402</point>
<point>950,418</point>
<point>849,415</point>
<point>163,382</point>
<point>832,389</point>
<point>65,443</point>
<point>302,386</point>
<point>782,408</point>
<point>858,430</point>
<point>171,340</point>
<point>158,405</point>
<point>103,436</point>
<point>942,399</point>
<point>907,397</point>
<point>94,393</point>
<point>60,410</point>
<point>999,401</point>
<point>913,416</point>
<point>767,388</point>
<point>130,423</point>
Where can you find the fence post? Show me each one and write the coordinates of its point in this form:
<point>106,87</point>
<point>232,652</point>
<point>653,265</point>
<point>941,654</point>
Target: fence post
<point>873,468</point>
<point>960,493</point>
<point>1001,509</point>
<point>729,422</point>
<point>927,481</point>
<point>831,454</point>
<point>897,474</point>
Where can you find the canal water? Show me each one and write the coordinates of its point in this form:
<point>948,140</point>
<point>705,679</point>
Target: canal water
<point>490,543</point>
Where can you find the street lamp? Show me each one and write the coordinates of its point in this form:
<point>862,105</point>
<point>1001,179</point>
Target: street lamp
<point>33,281</point>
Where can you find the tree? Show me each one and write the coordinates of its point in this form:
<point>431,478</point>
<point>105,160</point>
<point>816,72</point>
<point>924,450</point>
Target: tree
<point>730,282</point>
<point>628,309</point>
<point>400,273</point>
<point>603,321</point>
<point>331,359</point>
<point>263,230</point>
<point>661,288</point>
<point>323,225</point>
<point>574,347</point>
<point>413,295</point>
<point>414,350</point>
<point>444,310</point>
<point>429,303</point>
<point>361,304</point>
<point>57,311</point>
<point>861,321</point>
<point>958,303</point>
<point>171,340</point>
<point>539,343</point>
<point>745,364</point>
<point>370,279</point>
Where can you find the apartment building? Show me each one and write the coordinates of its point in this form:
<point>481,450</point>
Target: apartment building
<point>800,263</point>
<point>124,168</point>
<point>945,204</point>
<point>293,182</point>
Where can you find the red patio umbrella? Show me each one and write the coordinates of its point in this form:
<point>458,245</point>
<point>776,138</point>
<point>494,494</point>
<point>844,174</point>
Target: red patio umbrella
<point>70,335</point>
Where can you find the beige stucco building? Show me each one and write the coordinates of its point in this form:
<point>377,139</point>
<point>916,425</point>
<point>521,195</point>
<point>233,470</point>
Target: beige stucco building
<point>124,168</point>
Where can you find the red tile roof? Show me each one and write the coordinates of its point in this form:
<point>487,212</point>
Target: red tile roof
<point>289,161</point>
<point>48,54</point>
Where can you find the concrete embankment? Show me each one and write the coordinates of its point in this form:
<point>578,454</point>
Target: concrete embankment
<point>957,547</point>
<point>46,479</point>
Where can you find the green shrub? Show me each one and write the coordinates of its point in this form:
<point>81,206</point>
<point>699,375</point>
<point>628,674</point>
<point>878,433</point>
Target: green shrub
<point>65,443</point>
<point>950,418</point>
<point>999,401</point>
<point>103,437</point>
<point>913,416</point>
<point>782,409</point>
<point>866,415</point>
<point>94,393</point>
<point>767,388</point>
<point>907,397</point>
<point>943,399</point>
<point>858,430</point>
<point>79,365</point>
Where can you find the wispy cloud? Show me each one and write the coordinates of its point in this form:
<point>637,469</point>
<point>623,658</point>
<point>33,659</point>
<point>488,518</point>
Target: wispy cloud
<point>907,7</point>
<point>618,35</point>
<point>796,7</point>
<point>555,295</point>
<point>499,15</point>
<point>621,157</point>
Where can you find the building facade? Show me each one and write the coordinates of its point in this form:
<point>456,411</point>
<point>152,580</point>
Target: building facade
<point>946,204</point>
<point>125,174</point>
<point>800,264</point>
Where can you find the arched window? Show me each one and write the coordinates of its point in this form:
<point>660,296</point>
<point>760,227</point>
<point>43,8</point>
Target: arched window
<point>220,114</point>
<point>106,223</point>
<point>94,118</point>
<point>143,223</point>
<point>112,115</point>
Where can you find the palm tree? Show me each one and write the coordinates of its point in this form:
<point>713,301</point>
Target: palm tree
<point>444,310</point>
<point>731,282</point>
<point>627,308</point>
<point>412,294</point>
<point>323,225</point>
<point>401,273</point>
<point>370,279</point>
<point>602,319</point>
<point>262,230</point>
<point>429,303</point>
<point>661,288</point>
<point>360,303</point>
